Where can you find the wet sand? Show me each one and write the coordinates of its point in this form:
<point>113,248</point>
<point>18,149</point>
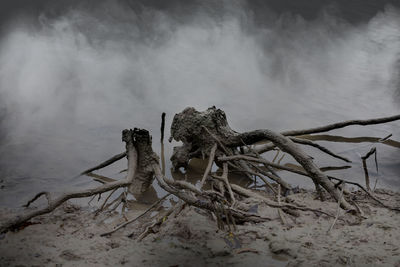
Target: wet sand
<point>70,236</point>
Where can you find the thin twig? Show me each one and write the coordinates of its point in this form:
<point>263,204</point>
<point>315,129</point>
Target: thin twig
<point>264,161</point>
<point>271,176</point>
<point>337,212</point>
<point>209,165</point>
<point>105,201</point>
<point>367,192</point>
<point>323,149</point>
<point>162,143</point>
<point>47,194</point>
<point>279,203</point>
<point>137,217</point>
<point>228,185</point>
<point>100,178</point>
<point>159,221</point>
<point>276,155</point>
<point>364,162</point>
<point>342,124</point>
<point>385,138</point>
<point>248,193</point>
<point>226,150</point>
<point>162,126</point>
<point>106,163</point>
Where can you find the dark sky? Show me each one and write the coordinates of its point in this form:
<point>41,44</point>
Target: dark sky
<point>351,10</point>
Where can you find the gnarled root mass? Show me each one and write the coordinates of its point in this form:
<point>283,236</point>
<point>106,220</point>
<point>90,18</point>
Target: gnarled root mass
<point>208,134</point>
<point>200,130</point>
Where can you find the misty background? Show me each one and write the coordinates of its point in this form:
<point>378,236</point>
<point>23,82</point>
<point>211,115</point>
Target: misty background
<point>74,74</point>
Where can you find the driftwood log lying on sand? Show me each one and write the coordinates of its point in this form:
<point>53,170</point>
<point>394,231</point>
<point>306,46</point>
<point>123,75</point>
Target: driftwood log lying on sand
<point>207,134</point>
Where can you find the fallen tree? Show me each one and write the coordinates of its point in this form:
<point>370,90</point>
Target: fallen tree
<point>207,134</point>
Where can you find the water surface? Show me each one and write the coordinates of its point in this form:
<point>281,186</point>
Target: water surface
<point>74,75</point>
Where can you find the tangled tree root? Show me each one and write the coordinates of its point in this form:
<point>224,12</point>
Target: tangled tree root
<point>208,134</point>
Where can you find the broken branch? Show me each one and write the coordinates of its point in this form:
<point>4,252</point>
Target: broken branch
<point>342,124</point>
<point>106,163</point>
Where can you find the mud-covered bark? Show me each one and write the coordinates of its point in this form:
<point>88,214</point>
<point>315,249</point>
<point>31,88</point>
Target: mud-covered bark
<point>288,146</point>
<point>188,127</point>
<point>208,134</point>
<point>141,159</point>
<point>146,158</point>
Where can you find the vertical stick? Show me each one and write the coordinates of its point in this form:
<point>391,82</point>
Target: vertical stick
<point>279,209</point>
<point>162,126</point>
<point>337,210</point>
<point>162,143</point>
<point>209,165</point>
<point>364,161</point>
<point>366,174</point>
<point>162,159</point>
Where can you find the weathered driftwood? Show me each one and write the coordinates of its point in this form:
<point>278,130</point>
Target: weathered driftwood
<point>208,134</point>
<point>137,142</point>
<point>143,166</point>
<point>131,146</point>
<point>342,124</point>
<point>106,163</point>
<point>187,127</point>
<point>196,141</point>
<point>364,161</point>
<point>137,217</point>
<point>144,176</point>
<point>323,149</point>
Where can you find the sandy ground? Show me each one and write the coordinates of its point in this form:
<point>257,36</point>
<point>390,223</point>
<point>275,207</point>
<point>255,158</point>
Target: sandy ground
<point>70,236</point>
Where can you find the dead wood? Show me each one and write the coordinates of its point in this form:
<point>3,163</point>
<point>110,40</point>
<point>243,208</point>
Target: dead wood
<point>342,124</point>
<point>205,201</point>
<point>248,193</point>
<point>162,126</point>
<point>132,138</point>
<point>360,139</point>
<point>106,163</point>
<point>208,134</point>
<point>366,191</point>
<point>191,127</point>
<point>286,145</point>
<point>209,165</point>
<point>137,217</point>
<point>323,149</point>
<point>284,222</point>
<point>337,212</point>
<point>187,127</point>
<point>364,162</point>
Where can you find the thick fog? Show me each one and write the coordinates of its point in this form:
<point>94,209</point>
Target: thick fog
<point>69,83</point>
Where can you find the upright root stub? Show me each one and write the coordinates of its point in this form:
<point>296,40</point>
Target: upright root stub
<point>188,127</point>
<point>146,158</point>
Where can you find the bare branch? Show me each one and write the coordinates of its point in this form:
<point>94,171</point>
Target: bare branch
<point>200,203</point>
<point>337,212</point>
<point>209,165</point>
<point>137,217</point>
<point>364,162</point>
<point>162,126</point>
<point>47,194</point>
<point>106,163</point>
<point>100,178</point>
<point>273,204</point>
<point>286,145</point>
<point>323,149</point>
<point>264,161</point>
<point>54,203</point>
<point>342,124</point>
<point>367,192</point>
